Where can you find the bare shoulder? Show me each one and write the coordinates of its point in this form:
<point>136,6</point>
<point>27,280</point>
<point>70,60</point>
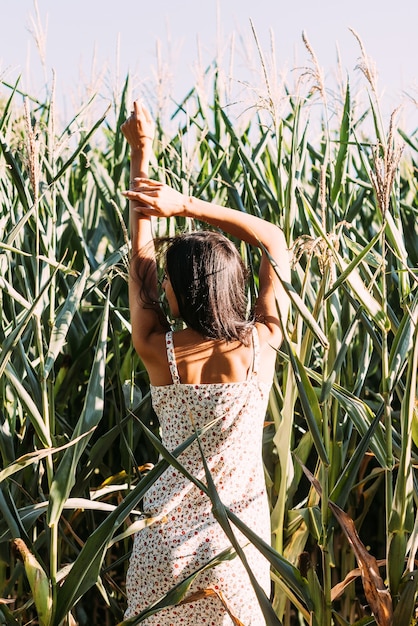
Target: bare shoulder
<point>153,354</point>
<point>149,346</point>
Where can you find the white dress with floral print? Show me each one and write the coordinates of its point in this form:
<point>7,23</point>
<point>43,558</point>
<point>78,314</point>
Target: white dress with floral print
<point>188,536</point>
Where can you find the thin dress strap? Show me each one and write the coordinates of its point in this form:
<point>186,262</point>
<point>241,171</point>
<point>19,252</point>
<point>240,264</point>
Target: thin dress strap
<point>172,363</point>
<point>171,357</point>
<point>256,356</point>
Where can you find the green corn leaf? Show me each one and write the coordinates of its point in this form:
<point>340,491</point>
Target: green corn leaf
<point>404,610</point>
<point>34,457</point>
<point>403,342</point>
<point>63,321</point>
<point>310,404</point>
<point>35,309</point>
<point>28,402</point>
<point>17,175</point>
<point>92,412</point>
<point>340,163</point>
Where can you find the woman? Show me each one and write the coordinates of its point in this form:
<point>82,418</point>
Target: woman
<point>216,373</point>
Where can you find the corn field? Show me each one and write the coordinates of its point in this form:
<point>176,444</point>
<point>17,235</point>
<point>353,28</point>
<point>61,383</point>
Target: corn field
<point>79,441</point>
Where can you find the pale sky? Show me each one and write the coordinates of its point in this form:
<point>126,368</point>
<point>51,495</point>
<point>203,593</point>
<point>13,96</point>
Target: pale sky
<point>88,38</point>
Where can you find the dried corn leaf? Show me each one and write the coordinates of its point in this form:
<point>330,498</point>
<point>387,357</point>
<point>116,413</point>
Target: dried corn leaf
<point>207,593</point>
<point>340,587</point>
<point>376,592</point>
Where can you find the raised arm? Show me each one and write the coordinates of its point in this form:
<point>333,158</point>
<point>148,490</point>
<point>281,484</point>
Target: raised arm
<point>163,201</point>
<point>144,306</point>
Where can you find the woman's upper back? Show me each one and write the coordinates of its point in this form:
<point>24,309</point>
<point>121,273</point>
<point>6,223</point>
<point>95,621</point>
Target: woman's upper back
<point>208,361</point>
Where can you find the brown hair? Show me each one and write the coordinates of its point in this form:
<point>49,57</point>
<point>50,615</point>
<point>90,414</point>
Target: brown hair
<point>209,280</point>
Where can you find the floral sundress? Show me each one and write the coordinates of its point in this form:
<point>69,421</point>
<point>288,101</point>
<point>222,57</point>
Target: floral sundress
<point>186,535</point>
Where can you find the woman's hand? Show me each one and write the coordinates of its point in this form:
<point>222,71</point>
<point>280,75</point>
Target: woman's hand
<point>139,128</point>
<point>157,199</point>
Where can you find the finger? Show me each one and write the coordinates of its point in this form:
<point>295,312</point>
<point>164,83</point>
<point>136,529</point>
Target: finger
<point>140,110</point>
<point>137,182</point>
<point>137,194</point>
<point>146,192</point>
<point>151,182</point>
<point>147,183</point>
<point>144,209</point>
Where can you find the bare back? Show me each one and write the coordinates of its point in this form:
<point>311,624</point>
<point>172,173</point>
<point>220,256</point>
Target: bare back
<point>202,361</point>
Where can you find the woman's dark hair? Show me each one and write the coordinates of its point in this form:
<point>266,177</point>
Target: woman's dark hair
<point>209,279</point>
